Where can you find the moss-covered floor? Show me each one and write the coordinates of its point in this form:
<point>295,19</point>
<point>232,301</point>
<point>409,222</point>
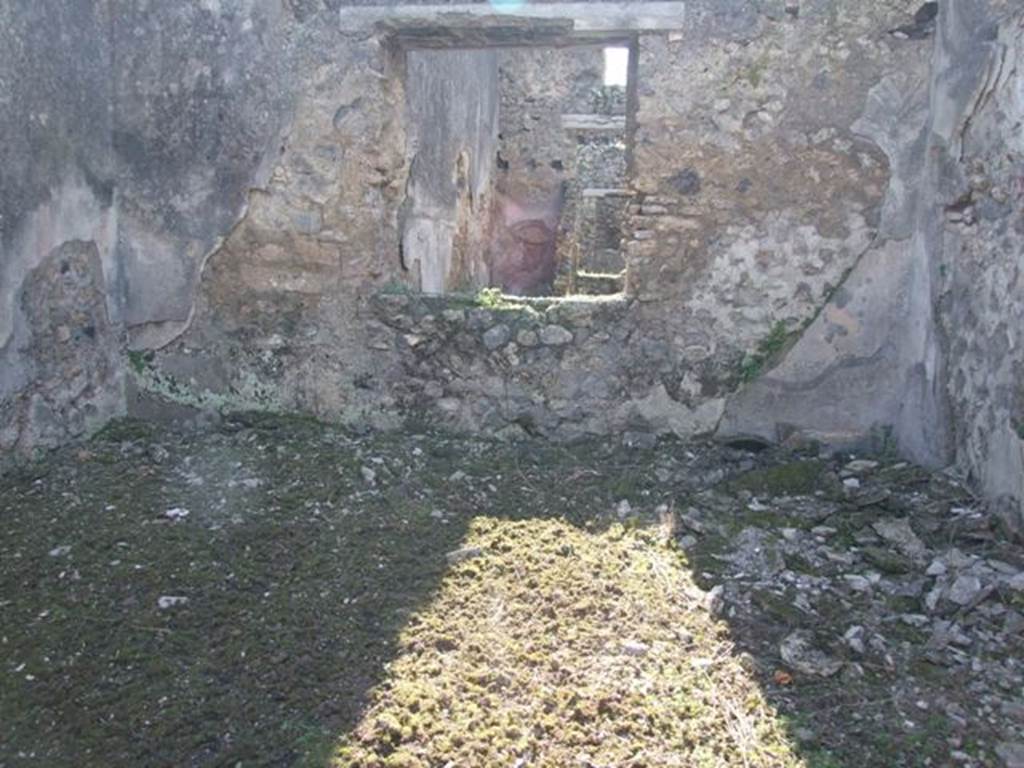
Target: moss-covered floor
<point>402,600</point>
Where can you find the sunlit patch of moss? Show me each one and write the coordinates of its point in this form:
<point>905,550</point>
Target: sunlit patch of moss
<point>557,642</point>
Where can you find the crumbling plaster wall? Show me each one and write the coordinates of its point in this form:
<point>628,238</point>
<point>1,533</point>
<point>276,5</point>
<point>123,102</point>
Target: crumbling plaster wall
<point>57,225</point>
<point>979,258</point>
<point>201,92</point>
<point>758,195</point>
<point>146,131</point>
<point>218,185</point>
<point>922,342</point>
<point>133,133</point>
<point>263,148</point>
<point>760,189</point>
<point>279,319</point>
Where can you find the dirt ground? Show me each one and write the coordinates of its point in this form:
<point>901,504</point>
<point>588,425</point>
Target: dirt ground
<point>275,592</point>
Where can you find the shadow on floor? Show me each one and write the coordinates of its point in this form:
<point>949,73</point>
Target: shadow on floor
<point>303,554</point>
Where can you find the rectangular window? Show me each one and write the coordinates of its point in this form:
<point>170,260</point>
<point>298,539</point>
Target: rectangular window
<point>519,162</point>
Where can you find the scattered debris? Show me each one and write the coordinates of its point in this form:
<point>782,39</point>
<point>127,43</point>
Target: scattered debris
<point>170,601</point>
<point>798,650</point>
<point>482,568</point>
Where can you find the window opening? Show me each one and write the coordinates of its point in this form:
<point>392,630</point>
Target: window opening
<point>544,159</point>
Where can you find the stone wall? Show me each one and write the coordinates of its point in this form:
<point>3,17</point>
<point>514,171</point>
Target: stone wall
<point>765,185</point>
<point>759,197</point>
<point>279,319</point>
<point>921,347</point>
<point>58,235</point>
<point>538,179</point>
<point>980,255</point>
<point>825,240</point>
<point>538,87</point>
<point>561,369</point>
<point>867,365</point>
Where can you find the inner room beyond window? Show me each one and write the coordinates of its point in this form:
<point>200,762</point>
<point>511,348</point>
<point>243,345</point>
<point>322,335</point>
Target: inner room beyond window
<point>562,180</point>
<point>520,175</point>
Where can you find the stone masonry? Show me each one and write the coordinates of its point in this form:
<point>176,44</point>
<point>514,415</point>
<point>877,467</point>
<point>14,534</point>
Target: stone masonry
<point>215,206</point>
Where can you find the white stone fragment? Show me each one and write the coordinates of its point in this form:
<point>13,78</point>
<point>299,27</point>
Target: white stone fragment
<point>635,648</point>
<point>461,555</point>
<point>170,601</point>
<point>965,589</point>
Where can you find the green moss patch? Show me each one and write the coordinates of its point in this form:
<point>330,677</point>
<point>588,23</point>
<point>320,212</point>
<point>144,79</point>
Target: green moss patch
<point>319,619</point>
<point>795,478</point>
<point>557,645</point>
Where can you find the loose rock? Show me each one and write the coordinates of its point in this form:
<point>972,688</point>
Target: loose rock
<point>757,553</point>
<point>964,590</point>
<point>901,535</point>
<point>799,651</point>
<point>461,555</point>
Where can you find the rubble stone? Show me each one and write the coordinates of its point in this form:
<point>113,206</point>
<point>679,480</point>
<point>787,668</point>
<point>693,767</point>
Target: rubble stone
<point>800,652</point>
